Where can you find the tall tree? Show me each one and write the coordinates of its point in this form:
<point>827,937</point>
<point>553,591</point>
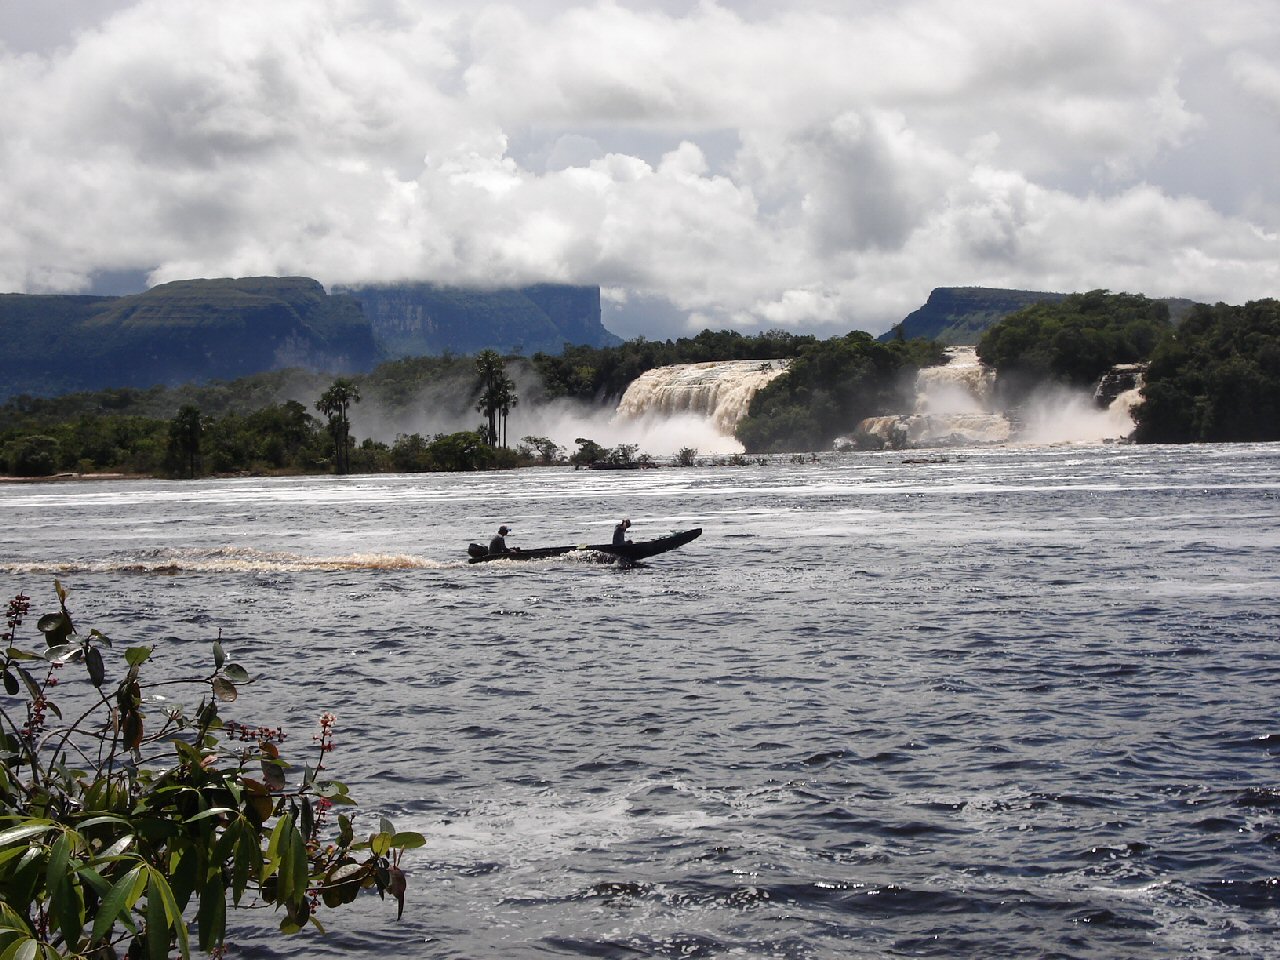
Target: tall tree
<point>185,431</point>
<point>506,400</point>
<point>335,403</point>
<point>497,393</point>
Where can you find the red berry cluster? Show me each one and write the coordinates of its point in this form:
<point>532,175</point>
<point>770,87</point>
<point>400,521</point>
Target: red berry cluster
<point>249,734</point>
<point>35,716</point>
<point>19,606</point>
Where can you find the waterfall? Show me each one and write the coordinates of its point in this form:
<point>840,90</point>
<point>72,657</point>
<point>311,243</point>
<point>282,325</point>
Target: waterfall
<point>953,405</point>
<point>719,390</point>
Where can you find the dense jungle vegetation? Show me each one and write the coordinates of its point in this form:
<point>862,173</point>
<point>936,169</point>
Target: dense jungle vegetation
<point>1214,377</point>
<point>1073,341</point>
<point>831,385</point>
<point>267,422</point>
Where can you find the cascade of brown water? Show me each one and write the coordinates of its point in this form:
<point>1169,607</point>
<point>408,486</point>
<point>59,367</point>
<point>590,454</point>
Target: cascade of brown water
<point>719,390</point>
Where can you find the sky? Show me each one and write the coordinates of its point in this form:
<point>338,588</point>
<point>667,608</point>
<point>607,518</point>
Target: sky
<point>812,166</point>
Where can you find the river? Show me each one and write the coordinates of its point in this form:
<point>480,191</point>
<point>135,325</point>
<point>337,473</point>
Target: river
<point>984,703</point>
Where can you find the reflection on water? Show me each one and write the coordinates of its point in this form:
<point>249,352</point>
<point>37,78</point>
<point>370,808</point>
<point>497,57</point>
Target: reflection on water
<point>999,703</point>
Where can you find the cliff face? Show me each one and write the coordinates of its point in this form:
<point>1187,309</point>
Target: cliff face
<point>957,316</point>
<point>417,319</point>
<point>189,330</point>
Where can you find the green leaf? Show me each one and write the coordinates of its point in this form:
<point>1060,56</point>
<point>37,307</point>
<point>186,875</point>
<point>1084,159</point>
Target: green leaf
<point>67,905</point>
<point>136,656</point>
<point>59,856</point>
<point>97,670</point>
<point>33,688</point>
<point>119,900</point>
<point>21,950</point>
<point>212,915</point>
<point>246,862</point>
<point>94,879</point>
<point>157,936</point>
<point>11,853</point>
<point>219,656</point>
<point>408,840</point>
<point>62,652</point>
<point>224,689</point>
<point>10,684</point>
<point>278,835</point>
<point>211,812</point>
<point>237,674</point>
<point>30,829</point>
<point>104,818</point>
<point>299,872</point>
<point>52,623</point>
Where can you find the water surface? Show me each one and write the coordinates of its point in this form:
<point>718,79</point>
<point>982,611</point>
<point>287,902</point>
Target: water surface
<point>997,703</point>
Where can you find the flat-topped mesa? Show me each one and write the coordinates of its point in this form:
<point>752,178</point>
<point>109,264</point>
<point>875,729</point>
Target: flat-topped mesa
<point>720,390</point>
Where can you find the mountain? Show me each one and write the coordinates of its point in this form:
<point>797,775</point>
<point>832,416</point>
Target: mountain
<point>199,330</point>
<point>425,319</point>
<point>188,330</point>
<point>959,315</point>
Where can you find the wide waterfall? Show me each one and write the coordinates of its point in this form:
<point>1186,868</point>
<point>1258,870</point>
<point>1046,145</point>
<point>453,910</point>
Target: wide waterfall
<point>719,390</point>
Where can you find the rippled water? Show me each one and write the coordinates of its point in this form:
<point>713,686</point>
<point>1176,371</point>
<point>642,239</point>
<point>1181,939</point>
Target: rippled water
<point>999,704</point>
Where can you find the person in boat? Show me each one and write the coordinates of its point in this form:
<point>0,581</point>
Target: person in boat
<point>499,543</point>
<point>620,534</point>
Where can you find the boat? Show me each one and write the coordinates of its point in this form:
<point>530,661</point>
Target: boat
<point>631,552</point>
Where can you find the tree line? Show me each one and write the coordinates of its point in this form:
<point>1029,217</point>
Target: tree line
<point>1214,376</point>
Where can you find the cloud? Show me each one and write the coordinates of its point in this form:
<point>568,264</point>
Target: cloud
<point>816,165</point>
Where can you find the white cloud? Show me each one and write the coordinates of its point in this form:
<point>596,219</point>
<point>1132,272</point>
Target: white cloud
<point>817,165</point>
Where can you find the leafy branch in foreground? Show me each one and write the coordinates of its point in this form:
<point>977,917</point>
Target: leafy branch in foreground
<point>122,827</point>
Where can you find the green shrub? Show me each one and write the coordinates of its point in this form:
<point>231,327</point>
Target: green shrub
<point>120,819</point>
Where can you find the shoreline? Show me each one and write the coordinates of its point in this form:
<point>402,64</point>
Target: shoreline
<point>76,477</point>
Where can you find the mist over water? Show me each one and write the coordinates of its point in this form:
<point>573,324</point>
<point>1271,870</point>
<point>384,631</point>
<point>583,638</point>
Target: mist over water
<point>1006,703</point>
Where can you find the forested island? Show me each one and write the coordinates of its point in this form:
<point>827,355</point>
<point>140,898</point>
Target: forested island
<point>1212,375</point>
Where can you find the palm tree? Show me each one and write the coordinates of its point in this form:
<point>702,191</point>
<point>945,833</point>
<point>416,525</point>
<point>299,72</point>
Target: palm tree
<point>497,393</point>
<point>506,400</point>
<point>335,403</point>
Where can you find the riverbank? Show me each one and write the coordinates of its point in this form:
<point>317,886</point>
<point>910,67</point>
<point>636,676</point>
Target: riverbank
<point>72,477</point>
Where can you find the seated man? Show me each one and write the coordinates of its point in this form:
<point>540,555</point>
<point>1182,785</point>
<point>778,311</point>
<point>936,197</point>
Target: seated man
<point>620,534</point>
<point>499,543</point>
